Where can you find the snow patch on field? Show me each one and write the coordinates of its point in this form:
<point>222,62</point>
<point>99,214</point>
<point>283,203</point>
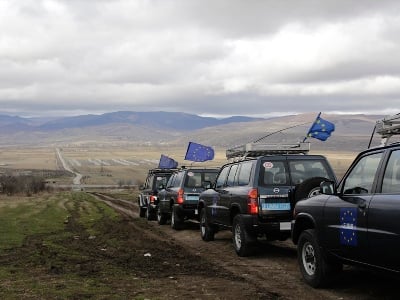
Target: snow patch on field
<point>74,162</point>
<point>99,162</point>
<point>124,162</point>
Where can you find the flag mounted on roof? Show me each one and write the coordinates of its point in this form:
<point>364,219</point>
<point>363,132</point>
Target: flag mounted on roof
<point>321,129</point>
<point>199,153</point>
<point>167,162</point>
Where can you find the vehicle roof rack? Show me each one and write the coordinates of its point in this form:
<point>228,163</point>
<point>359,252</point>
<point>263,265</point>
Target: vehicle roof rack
<point>160,170</point>
<point>260,149</point>
<point>387,127</point>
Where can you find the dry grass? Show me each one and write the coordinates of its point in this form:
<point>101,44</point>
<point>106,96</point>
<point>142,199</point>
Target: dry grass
<point>115,164</point>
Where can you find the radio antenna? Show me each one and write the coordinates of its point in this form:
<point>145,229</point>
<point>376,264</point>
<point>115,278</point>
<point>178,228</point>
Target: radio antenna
<point>272,133</point>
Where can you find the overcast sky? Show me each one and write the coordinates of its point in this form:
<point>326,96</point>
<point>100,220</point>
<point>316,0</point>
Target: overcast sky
<point>208,57</point>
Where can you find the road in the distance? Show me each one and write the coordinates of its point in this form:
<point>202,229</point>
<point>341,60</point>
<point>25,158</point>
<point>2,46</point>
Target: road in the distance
<point>78,176</point>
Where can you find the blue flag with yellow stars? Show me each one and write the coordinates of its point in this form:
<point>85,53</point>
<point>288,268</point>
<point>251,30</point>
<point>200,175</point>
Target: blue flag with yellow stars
<point>197,152</point>
<point>348,226</point>
<point>167,162</point>
<point>321,129</point>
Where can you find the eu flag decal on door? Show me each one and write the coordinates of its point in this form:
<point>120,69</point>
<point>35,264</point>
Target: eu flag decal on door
<point>348,226</point>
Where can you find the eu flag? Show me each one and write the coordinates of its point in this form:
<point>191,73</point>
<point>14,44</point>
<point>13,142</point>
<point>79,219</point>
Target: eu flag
<point>167,162</point>
<point>348,226</point>
<point>321,129</point>
<point>197,152</point>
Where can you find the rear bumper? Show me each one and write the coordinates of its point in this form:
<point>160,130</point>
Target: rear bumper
<point>187,210</point>
<point>280,228</point>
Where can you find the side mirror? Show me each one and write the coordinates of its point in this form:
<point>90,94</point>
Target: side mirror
<point>327,188</point>
<point>141,187</point>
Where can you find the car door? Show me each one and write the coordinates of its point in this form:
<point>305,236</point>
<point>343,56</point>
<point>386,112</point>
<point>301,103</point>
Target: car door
<point>215,211</point>
<point>163,195</point>
<point>226,193</point>
<point>383,217</point>
<point>346,214</point>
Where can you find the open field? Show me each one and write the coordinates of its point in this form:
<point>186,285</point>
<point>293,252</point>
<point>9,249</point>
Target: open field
<point>111,165</point>
<point>73,245</point>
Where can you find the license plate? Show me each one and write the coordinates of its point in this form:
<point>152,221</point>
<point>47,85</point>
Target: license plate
<point>189,197</point>
<point>275,206</point>
<point>284,226</point>
<point>196,212</point>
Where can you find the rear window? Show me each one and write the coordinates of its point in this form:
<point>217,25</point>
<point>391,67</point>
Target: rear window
<point>273,172</point>
<point>300,170</point>
<point>160,180</point>
<point>195,179</point>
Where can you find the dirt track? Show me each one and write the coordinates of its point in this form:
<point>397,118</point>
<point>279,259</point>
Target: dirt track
<point>272,273</point>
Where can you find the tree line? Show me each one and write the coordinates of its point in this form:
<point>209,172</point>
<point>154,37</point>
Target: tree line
<point>25,184</point>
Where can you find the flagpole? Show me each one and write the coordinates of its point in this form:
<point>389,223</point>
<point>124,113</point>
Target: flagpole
<point>306,137</point>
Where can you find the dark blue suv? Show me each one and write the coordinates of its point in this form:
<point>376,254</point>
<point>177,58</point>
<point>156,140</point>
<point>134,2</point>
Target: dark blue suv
<point>354,222</point>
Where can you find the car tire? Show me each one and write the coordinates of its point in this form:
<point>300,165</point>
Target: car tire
<point>206,230</point>
<point>243,241</point>
<point>316,270</point>
<point>176,220</point>
<point>142,211</point>
<point>308,188</point>
<point>149,214</point>
<point>161,217</point>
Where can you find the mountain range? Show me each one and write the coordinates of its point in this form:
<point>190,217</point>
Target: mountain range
<point>176,128</point>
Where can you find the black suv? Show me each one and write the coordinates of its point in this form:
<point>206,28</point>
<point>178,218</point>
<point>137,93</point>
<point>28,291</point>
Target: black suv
<point>256,196</point>
<point>147,199</point>
<point>354,222</point>
<point>180,197</point>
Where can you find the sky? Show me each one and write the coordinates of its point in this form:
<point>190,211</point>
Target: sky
<point>208,57</point>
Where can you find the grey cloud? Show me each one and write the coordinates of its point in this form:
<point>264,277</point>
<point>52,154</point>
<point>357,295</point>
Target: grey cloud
<point>208,57</point>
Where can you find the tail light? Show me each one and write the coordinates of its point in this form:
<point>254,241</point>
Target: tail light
<point>180,198</point>
<point>152,199</point>
<point>252,202</point>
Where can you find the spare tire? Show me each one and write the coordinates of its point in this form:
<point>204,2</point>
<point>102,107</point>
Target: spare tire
<point>308,188</point>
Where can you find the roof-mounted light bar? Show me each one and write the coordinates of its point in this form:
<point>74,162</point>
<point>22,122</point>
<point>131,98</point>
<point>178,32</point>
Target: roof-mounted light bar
<point>260,149</point>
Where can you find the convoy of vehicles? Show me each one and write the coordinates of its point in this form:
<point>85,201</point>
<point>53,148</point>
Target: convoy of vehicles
<point>280,191</point>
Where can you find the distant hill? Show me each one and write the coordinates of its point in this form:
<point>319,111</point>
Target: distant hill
<point>164,120</point>
<point>176,129</point>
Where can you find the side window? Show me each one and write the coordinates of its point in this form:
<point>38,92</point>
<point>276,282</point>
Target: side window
<point>231,176</point>
<point>361,177</point>
<point>178,179</point>
<point>222,177</point>
<point>149,180</point>
<point>244,173</point>
<point>391,179</point>
<point>171,180</point>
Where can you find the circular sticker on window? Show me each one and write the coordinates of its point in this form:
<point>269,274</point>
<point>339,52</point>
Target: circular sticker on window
<point>190,174</point>
<point>268,165</point>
